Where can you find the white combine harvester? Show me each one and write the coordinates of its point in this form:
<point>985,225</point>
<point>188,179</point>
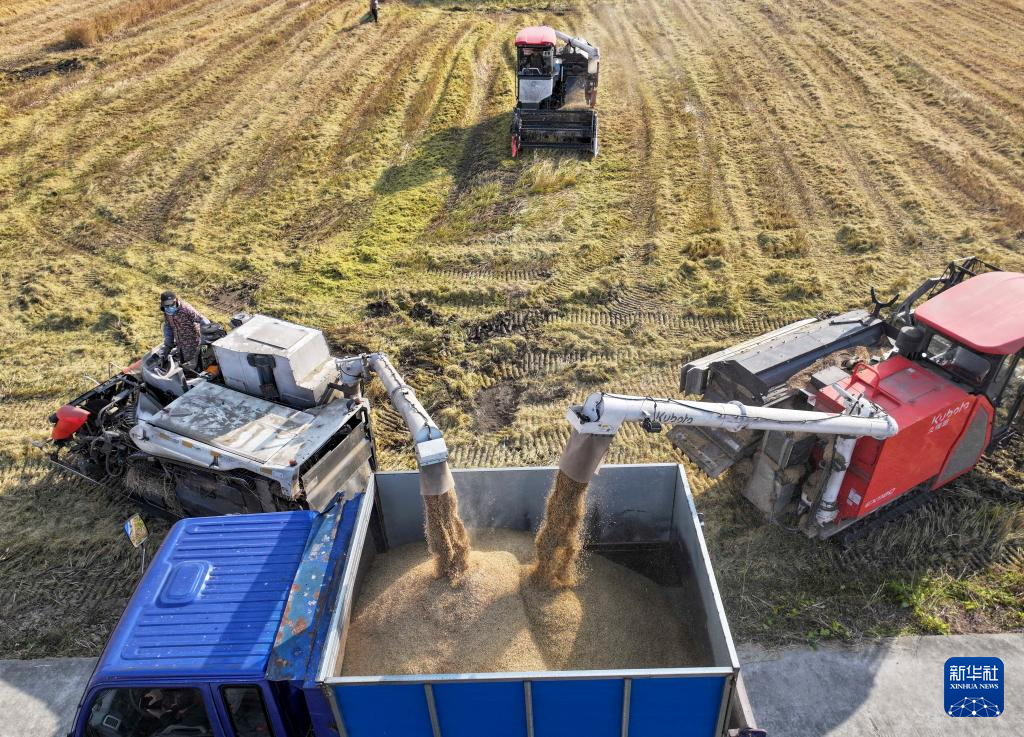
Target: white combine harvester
<point>271,421</point>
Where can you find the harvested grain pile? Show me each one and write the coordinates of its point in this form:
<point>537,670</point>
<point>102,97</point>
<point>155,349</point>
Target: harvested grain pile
<point>408,621</point>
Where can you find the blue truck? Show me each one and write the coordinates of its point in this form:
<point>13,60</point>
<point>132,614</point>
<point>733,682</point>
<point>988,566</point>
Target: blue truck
<point>238,627</point>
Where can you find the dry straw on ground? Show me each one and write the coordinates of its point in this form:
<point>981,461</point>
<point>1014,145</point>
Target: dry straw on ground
<point>105,24</point>
<point>407,621</point>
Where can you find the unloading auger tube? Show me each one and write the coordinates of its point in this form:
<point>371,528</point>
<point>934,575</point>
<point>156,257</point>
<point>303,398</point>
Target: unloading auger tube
<point>431,450</point>
<point>599,418</point>
<point>592,52</point>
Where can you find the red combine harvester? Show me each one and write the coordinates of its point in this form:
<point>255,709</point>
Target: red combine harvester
<point>556,90</point>
<point>950,373</point>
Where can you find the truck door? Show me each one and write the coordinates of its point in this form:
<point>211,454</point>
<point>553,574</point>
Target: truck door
<point>149,711</point>
<point>244,711</point>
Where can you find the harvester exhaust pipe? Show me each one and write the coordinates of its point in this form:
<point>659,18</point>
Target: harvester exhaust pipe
<point>446,535</point>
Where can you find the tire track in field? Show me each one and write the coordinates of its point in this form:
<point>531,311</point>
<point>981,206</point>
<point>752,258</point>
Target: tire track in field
<point>889,124</point>
<point>969,117</point>
<point>983,17</point>
<point>218,138</point>
<point>983,124</point>
<point>91,115</point>
<point>35,28</point>
<point>331,210</point>
<point>210,141</point>
<point>877,202</point>
<point>648,157</point>
<point>335,97</point>
<point>698,56</point>
<point>777,176</point>
<point>476,157</point>
<point>941,149</point>
<point>920,196</point>
<point>312,90</point>
<point>928,44</point>
<point>130,232</point>
<point>212,125</point>
<point>390,178</point>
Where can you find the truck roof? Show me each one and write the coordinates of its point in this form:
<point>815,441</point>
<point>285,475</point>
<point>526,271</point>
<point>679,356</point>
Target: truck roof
<point>984,313</point>
<point>211,601</point>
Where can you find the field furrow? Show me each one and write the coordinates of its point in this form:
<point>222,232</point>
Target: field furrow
<point>759,163</point>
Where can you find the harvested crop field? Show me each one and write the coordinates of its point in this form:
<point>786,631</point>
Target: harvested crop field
<point>760,162</point>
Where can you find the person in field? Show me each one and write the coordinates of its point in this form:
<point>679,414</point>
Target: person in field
<point>182,322</point>
<point>375,10</point>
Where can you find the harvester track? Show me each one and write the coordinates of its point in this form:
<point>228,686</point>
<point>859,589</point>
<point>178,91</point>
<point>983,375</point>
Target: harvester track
<point>904,505</point>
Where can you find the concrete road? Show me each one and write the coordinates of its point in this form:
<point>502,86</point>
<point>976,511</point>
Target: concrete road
<point>885,688</point>
<point>38,698</point>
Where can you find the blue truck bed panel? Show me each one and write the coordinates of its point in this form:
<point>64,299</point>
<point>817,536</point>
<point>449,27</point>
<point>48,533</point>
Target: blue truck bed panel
<point>211,601</point>
<point>497,709</point>
<point>577,708</point>
<point>385,711</point>
<point>658,706</point>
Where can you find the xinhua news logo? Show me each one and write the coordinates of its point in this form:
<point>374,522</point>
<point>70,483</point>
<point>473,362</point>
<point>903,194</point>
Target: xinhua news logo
<point>974,687</point>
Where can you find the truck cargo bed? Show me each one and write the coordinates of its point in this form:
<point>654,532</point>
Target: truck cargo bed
<point>641,517</point>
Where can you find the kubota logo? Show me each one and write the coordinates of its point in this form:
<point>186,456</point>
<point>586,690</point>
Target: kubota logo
<point>942,419</point>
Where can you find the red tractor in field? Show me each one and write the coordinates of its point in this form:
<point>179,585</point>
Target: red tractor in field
<point>950,373</point>
<point>849,420</point>
<point>556,91</point>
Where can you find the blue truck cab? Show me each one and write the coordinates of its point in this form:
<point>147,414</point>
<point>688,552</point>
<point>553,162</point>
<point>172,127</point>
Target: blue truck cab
<point>216,641</point>
<point>238,627</point>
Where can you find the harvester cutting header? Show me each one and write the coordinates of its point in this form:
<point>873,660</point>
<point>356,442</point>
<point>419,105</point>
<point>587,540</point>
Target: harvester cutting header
<point>556,91</point>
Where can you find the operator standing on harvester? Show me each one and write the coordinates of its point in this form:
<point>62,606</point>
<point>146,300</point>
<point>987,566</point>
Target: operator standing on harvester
<point>182,322</point>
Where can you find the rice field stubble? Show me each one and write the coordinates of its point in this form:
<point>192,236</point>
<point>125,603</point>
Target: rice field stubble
<point>760,162</point>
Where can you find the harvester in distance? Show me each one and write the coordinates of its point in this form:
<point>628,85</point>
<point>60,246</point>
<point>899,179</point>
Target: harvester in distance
<point>950,373</point>
<point>556,91</point>
<point>270,421</point>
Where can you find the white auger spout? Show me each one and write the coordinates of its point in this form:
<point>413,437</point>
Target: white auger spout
<point>604,414</point>
<point>601,415</point>
<point>430,446</point>
<point>590,50</point>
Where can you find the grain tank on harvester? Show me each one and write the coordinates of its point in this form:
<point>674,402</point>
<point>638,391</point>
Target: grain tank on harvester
<point>949,372</point>
<point>556,91</point>
<point>270,421</point>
